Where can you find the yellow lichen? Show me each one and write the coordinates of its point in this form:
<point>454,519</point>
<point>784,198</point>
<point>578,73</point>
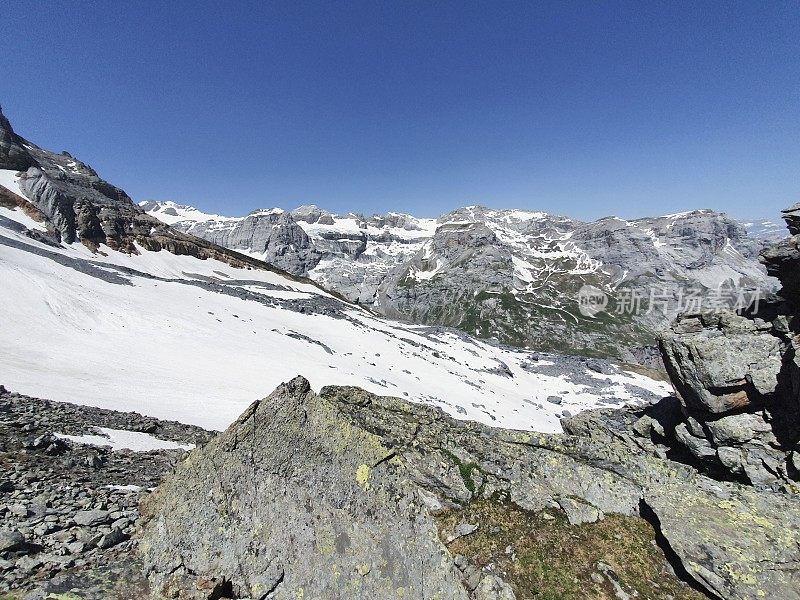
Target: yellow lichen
<point>362,476</point>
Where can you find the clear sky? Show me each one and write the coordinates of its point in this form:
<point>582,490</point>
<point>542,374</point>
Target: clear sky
<point>580,108</point>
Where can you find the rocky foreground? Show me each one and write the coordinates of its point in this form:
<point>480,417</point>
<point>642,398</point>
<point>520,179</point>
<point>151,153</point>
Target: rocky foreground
<point>69,510</point>
<point>346,494</point>
<point>342,494</point>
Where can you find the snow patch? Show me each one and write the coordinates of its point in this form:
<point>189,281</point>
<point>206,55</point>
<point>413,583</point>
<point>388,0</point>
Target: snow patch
<point>122,439</point>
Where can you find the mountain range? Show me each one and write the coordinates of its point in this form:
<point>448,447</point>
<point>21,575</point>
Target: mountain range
<point>512,276</point>
<point>121,310</point>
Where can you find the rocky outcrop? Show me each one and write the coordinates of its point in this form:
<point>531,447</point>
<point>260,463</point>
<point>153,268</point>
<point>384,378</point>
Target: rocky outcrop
<point>77,205</point>
<point>738,378</point>
<point>13,153</point>
<point>783,258</point>
<point>336,495</point>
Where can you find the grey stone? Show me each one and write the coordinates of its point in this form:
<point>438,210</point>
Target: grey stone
<point>112,538</point>
<point>739,429</point>
<point>579,512</point>
<point>492,587</point>
<point>699,447</point>
<point>92,518</point>
<point>11,540</point>
<point>76,547</point>
<point>462,530</point>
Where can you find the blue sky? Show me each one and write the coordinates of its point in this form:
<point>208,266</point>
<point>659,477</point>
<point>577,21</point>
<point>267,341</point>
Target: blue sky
<point>579,108</point>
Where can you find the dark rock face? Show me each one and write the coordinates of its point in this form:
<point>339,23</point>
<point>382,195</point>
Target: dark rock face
<point>13,154</point>
<point>783,261</point>
<point>739,379</point>
<point>309,495</point>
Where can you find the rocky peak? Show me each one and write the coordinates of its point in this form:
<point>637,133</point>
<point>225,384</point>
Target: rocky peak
<point>79,206</point>
<point>311,213</point>
<point>13,154</point>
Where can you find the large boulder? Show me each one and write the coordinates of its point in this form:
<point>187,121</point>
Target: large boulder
<point>721,361</point>
<point>337,495</point>
<point>295,499</point>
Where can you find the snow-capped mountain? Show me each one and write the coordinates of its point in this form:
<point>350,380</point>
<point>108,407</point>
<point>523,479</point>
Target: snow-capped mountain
<point>766,230</point>
<point>511,275</point>
<point>105,305</point>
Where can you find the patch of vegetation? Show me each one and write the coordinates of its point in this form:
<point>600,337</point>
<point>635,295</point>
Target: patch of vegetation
<point>646,371</point>
<point>542,557</point>
<point>465,469</point>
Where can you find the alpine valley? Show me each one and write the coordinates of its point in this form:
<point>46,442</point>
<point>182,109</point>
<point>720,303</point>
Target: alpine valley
<point>303,405</point>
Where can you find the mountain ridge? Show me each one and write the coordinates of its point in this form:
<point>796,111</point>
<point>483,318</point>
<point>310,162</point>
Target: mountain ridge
<point>492,272</point>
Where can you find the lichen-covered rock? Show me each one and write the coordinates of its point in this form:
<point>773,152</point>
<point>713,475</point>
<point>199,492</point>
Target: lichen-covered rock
<point>319,492</point>
<point>297,501</point>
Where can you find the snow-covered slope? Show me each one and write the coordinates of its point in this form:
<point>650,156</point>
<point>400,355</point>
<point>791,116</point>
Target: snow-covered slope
<point>197,340</point>
<point>172,212</point>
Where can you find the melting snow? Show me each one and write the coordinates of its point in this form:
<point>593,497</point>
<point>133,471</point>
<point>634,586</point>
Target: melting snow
<point>121,439</point>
